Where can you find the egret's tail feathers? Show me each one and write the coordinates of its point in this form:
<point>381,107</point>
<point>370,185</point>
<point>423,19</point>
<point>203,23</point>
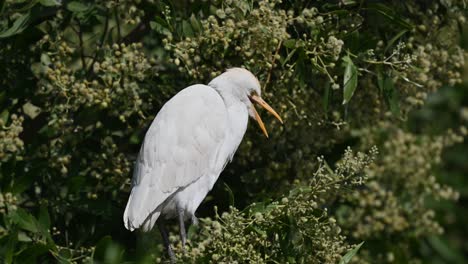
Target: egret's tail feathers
<point>150,221</point>
<point>142,210</point>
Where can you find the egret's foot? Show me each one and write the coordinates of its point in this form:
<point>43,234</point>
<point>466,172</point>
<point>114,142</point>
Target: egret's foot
<point>171,254</point>
<point>167,244</point>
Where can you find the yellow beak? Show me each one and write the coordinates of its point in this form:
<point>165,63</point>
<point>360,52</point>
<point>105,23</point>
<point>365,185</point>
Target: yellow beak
<point>257,99</point>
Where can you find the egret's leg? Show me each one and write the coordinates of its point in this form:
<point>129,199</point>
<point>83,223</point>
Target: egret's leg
<point>183,234</point>
<point>194,220</point>
<point>166,241</point>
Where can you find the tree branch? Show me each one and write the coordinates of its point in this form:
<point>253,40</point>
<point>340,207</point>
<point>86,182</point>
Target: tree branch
<point>80,37</point>
<point>101,44</point>
<point>117,20</point>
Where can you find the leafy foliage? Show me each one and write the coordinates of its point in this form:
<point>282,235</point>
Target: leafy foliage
<point>294,229</point>
<point>82,80</point>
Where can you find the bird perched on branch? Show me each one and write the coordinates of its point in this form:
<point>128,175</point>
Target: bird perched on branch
<point>192,138</point>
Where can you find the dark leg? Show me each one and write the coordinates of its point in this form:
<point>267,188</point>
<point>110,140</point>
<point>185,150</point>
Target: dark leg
<point>183,234</point>
<point>165,238</point>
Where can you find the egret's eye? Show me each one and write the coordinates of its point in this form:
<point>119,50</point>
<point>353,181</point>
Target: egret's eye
<point>252,94</point>
<point>250,97</point>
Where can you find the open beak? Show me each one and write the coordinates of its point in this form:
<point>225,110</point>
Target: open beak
<point>257,99</point>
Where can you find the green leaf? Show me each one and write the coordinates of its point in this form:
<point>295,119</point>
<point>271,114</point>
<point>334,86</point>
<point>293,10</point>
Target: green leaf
<point>37,69</point>
<point>231,194</point>
<point>161,21</point>
<point>31,110</point>
<point>350,79</point>
<point>9,248</point>
<point>296,191</point>
<point>44,218</point>
<point>193,230</point>
<point>49,2</point>
<point>4,116</point>
<point>347,258</point>
<point>390,14</point>
<point>380,80</point>
<point>32,252</point>
<point>24,220</point>
<point>288,58</point>
<point>290,43</point>
<point>23,237</point>
<point>77,7</point>
<point>45,59</point>
<point>160,26</point>
<point>243,6</point>
<point>20,24</point>
<point>443,248</point>
<point>187,29</point>
<point>259,231</point>
<point>196,25</point>
<point>391,96</point>
<point>256,207</point>
<point>394,39</point>
<point>108,251</point>
<point>387,89</point>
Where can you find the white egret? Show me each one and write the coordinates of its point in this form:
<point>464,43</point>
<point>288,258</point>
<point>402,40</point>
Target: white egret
<point>192,138</point>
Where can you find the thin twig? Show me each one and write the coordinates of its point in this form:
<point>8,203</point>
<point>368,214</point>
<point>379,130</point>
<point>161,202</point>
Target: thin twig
<point>80,36</point>
<point>273,62</point>
<point>117,20</point>
<point>101,44</point>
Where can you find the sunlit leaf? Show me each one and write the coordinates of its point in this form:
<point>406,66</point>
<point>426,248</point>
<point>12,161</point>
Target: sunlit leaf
<point>23,237</point>
<point>350,79</point>
<point>20,24</point>
<point>196,25</point>
<point>4,115</point>
<point>50,2</point>
<point>290,43</point>
<point>76,6</point>
<point>288,58</point>
<point>31,110</point>
<point>45,59</point>
<point>347,258</point>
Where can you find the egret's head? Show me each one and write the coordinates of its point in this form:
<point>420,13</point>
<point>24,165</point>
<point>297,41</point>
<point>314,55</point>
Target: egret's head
<point>245,86</point>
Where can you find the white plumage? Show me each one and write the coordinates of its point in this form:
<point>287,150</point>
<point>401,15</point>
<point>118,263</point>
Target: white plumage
<point>187,146</point>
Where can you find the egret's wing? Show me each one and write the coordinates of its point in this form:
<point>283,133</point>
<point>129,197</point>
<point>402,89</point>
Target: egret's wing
<point>181,145</point>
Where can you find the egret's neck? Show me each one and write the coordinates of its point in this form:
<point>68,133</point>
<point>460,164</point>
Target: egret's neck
<point>238,116</point>
<point>230,93</point>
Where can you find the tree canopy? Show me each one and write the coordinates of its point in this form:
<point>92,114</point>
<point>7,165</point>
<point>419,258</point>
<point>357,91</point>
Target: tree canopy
<point>368,167</point>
